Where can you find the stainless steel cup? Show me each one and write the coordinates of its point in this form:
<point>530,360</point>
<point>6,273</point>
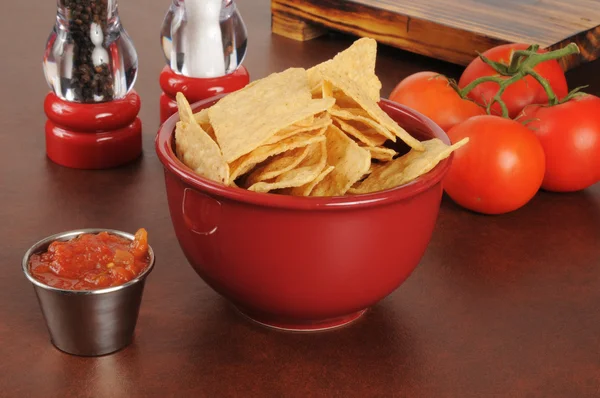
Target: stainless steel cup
<point>89,322</point>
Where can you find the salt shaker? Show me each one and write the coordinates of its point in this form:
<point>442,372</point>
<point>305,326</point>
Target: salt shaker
<point>91,65</point>
<point>204,43</point>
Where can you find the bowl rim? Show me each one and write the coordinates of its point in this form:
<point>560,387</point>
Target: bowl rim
<point>173,165</point>
<point>43,244</point>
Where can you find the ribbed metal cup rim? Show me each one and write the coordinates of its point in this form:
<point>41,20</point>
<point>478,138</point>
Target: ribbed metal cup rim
<point>68,235</point>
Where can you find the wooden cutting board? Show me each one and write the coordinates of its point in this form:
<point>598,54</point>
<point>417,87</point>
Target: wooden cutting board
<point>451,30</point>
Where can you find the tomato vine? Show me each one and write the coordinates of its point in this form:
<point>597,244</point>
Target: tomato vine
<point>522,64</point>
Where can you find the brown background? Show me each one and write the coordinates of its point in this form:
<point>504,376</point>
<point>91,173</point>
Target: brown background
<point>504,306</point>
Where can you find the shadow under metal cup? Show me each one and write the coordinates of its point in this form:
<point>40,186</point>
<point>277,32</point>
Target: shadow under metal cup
<point>89,322</point>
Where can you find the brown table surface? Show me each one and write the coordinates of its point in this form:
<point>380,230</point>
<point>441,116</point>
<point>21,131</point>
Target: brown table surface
<point>505,306</point>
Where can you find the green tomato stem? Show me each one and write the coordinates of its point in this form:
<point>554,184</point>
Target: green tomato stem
<point>552,99</point>
<point>498,96</point>
<point>522,64</point>
<point>498,67</point>
<point>517,59</point>
<point>576,92</point>
<point>467,89</point>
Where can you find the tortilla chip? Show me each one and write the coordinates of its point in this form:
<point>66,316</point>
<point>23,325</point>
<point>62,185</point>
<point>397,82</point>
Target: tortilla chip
<point>357,63</point>
<point>247,162</point>
<point>305,122</point>
<point>354,114</point>
<point>345,102</point>
<point>202,119</point>
<point>317,91</point>
<point>368,137</point>
<point>186,114</point>
<point>373,167</point>
<point>277,165</point>
<point>408,167</point>
<point>307,171</point>
<point>381,153</point>
<point>351,162</point>
<point>200,153</point>
<point>354,188</point>
<point>319,123</point>
<point>306,189</point>
<point>362,99</point>
<point>326,89</point>
<point>353,191</point>
<point>246,119</point>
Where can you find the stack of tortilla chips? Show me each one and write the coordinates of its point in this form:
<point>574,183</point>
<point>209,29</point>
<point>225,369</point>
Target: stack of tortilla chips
<point>316,132</point>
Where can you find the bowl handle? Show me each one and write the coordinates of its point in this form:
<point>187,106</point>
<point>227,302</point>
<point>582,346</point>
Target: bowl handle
<point>201,213</point>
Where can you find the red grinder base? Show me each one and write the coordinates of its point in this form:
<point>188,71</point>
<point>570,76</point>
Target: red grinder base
<point>93,136</point>
<point>196,89</point>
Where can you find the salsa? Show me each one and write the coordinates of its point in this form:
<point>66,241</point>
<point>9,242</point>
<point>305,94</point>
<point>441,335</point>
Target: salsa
<point>91,261</point>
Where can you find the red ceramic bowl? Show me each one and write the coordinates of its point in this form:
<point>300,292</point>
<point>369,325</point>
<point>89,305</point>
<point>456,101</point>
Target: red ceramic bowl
<point>303,263</point>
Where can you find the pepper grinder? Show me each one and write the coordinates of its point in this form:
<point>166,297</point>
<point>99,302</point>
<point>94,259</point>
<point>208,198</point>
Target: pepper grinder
<point>91,65</point>
<point>204,43</point>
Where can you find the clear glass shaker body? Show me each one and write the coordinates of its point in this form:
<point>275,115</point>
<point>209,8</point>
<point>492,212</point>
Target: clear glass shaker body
<point>204,38</point>
<point>89,57</point>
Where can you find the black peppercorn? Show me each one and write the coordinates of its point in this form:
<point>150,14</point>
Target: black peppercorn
<point>90,82</point>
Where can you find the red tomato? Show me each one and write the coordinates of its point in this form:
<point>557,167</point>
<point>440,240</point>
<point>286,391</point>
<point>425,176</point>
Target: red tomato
<point>431,94</point>
<point>520,94</point>
<point>570,135</point>
<point>499,170</point>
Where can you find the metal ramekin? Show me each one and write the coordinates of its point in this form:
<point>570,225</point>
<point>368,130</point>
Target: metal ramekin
<point>89,322</point>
